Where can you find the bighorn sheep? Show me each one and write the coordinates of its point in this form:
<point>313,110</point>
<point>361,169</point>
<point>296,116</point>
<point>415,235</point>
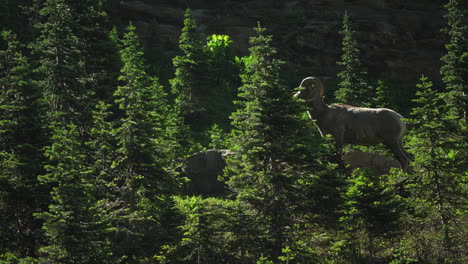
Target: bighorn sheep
<point>355,125</point>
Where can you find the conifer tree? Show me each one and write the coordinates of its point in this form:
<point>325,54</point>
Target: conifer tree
<point>100,55</point>
<point>382,95</point>
<point>142,174</point>
<point>455,69</point>
<point>187,84</point>
<point>353,86</point>
<point>20,157</point>
<point>371,208</point>
<point>190,82</point>
<point>270,169</point>
<point>74,226</point>
<point>437,182</point>
<point>102,148</point>
<point>61,67</point>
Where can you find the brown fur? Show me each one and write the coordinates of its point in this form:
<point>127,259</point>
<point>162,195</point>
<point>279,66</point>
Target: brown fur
<point>355,125</point>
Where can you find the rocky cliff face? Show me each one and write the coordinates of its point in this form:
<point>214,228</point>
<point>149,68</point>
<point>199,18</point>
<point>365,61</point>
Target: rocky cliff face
<point>398,38</point>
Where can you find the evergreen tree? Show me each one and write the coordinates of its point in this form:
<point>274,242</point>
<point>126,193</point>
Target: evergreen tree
<point>353,86</point>
<point>383,97</point>
<point>455,69</point>
<point>272,166</point>
<point>12,18</point>
<point>187,84</point>
<point>102,144</point>
<point>437,183</point>
<point>62,68</point>
<point>190,84</point>
<point>100,55</point>
<point>143,180</point>
<point>74,226</point>
<point>371,208</point>
<point>20,156</point>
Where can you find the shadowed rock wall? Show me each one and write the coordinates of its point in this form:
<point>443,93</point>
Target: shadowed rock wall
<point>398,38</point>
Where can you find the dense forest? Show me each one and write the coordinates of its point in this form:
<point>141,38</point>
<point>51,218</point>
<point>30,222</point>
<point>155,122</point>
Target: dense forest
<point>93,125</point>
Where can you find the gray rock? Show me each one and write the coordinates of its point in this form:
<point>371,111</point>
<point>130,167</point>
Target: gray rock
<point>378,163</point>
<point>203,169</point>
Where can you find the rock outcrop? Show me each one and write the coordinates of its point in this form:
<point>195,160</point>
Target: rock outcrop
<point>377,163</point>
<point>398,38</point>
<point>202,169</point>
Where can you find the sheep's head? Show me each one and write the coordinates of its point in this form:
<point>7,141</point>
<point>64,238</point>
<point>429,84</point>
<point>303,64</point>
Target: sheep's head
<point>313,89</point>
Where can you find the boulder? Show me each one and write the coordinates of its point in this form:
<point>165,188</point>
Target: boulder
<point>378,163</point>
<point>202,169</point>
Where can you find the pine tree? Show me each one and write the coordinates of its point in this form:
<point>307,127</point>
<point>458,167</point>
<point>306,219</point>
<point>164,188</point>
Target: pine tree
<point>142,177</point>
<point>353,86</point>
<point>190,84</point>
<point>371,208</point>
<point>61,67</point>
<point>20,156</point>
<point>74,226</point>
<point>383,95</point>
<point>271,168</point>
<point>102,148</point>
<point>13,18</point>
<point>455,69</point>
<point>437,182</point>
<point>186,85</point>
<point>100,55</point>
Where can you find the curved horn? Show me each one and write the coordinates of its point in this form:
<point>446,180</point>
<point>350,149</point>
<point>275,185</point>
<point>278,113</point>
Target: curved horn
<point>313,82</point>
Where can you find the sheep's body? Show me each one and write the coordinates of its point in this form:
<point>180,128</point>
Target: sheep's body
<point>359,126</point>
<point>356,125</point>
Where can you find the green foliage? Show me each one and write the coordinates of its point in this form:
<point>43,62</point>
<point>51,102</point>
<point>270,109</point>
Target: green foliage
<point>143,179</point>
<point>61,66</point>
<point>187,86</point>
<point>382,95</point>
<point>101,146</point>
<point>190,83</point>
<point>271,168</point>
<point>9,258</point>
<point>214,230</point>
<point>205,79</point>
<point>73,225</point>
<point>108,135</point>
<point>455,69</point>
<point>371,207</point>
<point>439,169</point>
<point>224,80</point>
<point>353,87</point>
<point>20,156</point>
<point>218,138</point>
<point>264,260</point>
<point>144,105</point>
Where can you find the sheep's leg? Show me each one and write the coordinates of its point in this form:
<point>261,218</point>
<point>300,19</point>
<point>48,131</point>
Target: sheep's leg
<point>408,156</point>
<point>401,155</point>
<point>338,157</point>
